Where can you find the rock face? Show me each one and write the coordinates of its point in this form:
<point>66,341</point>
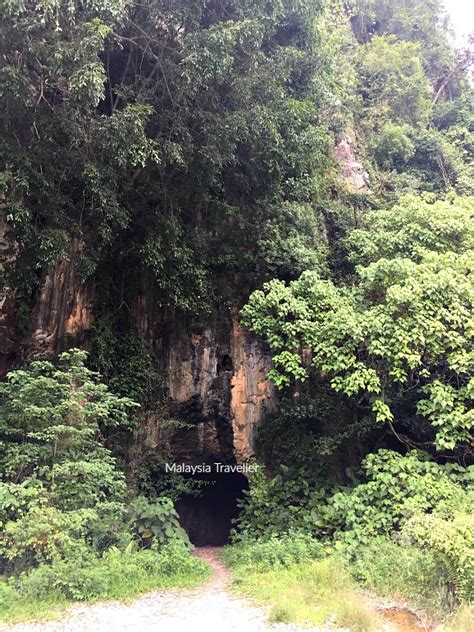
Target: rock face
<point>352,172</point>
<point>218,380</point>
<point>63,310</point>
<point>252,394</point>
<point>199,374</point>
<point>216,373</point>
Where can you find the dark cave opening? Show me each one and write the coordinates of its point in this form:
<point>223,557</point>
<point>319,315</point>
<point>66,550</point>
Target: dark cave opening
<point>207,518</point>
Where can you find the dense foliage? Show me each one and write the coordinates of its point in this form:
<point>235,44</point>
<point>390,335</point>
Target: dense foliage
<point>400,339</point>
<point>66,519</point>
<point>395,341</point>
<point>181,138</point>
<point>184,157</point>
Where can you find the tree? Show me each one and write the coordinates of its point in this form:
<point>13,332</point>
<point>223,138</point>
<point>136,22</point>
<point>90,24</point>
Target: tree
<point>421,21</point>
<point>61,489</point>
<point>400,340</point>
<point>392,82</point>
<point>51,420</point>
<point>413,228</point>
<point>161,135</point>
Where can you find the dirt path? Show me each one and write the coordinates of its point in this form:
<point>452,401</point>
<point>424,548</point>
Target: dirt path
<point>209,608</point>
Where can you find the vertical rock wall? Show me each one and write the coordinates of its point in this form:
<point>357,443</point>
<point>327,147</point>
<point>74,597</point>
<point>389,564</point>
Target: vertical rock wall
<point>352,172</point>
<point>216,373</point>
<point>218,380</point>
<point>252,394</point>
<point>63,312</point>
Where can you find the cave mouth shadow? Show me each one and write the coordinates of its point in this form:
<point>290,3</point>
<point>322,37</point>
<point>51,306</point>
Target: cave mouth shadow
<point>207,518</point>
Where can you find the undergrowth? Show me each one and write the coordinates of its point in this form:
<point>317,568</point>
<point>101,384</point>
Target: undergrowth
<point>308,592</point>
<point>120,574</point>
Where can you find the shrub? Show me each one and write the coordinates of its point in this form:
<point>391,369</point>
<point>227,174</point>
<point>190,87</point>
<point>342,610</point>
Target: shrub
<point>51,417</point>
<point>398,569</point>
<point>66,530</point>
<point>118,573</point>
<point>396,487</point>
<point>394,147</point>
<point>155,522</point>
<point>45,534</point>
<point>278,505</point>
<point>451,541</point>
<point>276,551</point>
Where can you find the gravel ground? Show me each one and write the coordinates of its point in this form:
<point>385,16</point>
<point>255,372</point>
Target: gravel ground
<point>209,608</point>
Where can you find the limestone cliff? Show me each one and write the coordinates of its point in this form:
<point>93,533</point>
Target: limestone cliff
<point>352,172</point>
<point>216,372</point>
<point>218,378</point>
<point>63,310</point>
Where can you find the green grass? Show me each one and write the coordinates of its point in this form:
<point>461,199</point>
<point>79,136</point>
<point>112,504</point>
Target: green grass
<point>17,610</point>
<point>308,584</point>
<point>310,592</point>
<point>462,620</point>
<point>47,591</point>
<point>405,572</point>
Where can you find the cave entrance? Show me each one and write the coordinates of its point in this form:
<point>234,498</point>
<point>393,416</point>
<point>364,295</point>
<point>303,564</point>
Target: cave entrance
<point>207,518</point>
